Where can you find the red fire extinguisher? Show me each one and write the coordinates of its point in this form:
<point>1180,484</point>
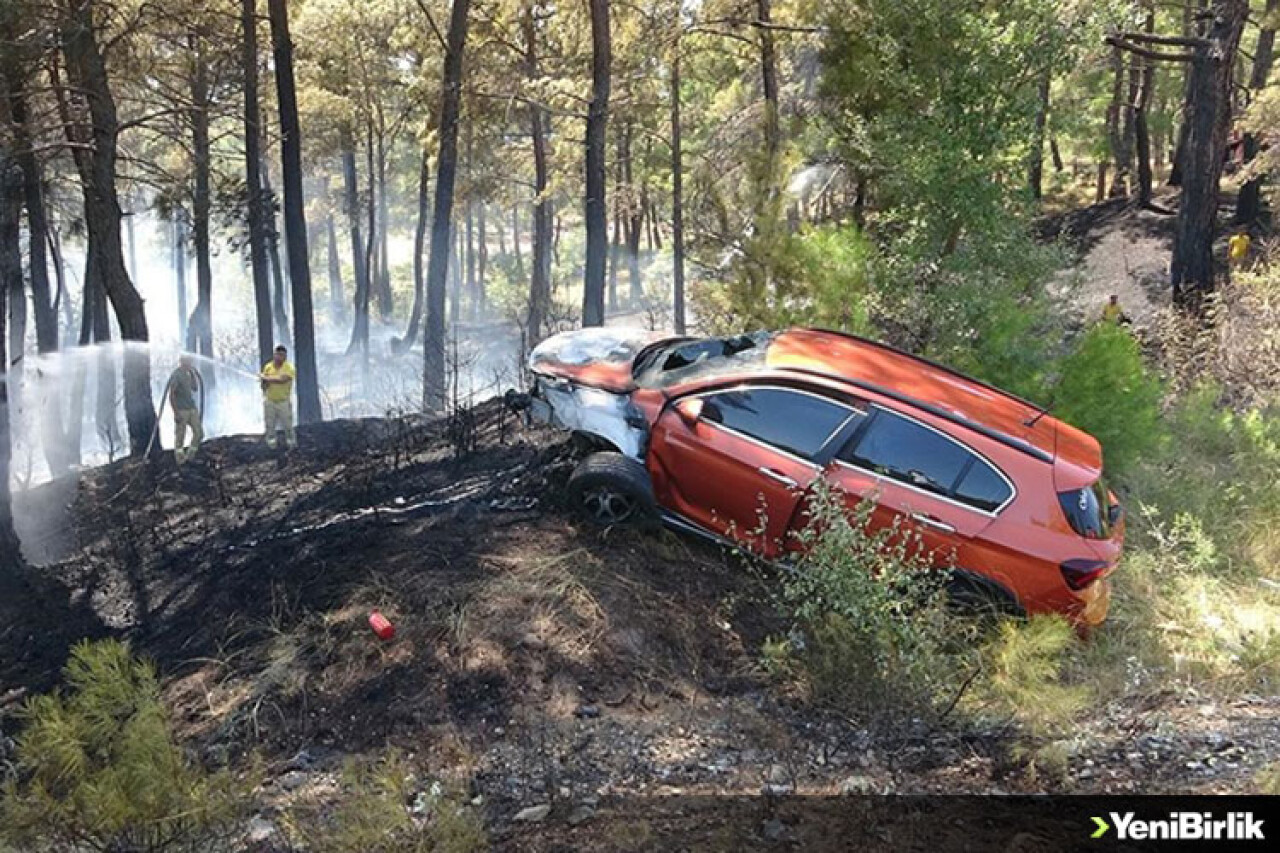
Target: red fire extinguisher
<point>381,626</point>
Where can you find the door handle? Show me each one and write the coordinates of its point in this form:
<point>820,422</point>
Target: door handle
<point>930,521</point>
<point>778,476</point>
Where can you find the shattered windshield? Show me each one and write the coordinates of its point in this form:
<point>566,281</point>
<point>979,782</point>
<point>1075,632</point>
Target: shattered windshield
<point>680,361</point>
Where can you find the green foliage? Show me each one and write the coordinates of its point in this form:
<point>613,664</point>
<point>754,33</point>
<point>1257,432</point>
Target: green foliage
<point>820,276</point>
<point>1025,668</point>
<point>381,813</point>
<point>1196,597</point>
<point>982,309</point>
<point>936,101</point>
<point>1107,390</point>
<point>877,635</point>
<point>1212,474</point>
<point>99,769</point>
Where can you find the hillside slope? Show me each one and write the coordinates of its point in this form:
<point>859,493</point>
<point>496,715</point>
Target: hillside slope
<point>536,660</point>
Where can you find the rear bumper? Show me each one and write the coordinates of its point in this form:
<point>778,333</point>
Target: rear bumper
<point>1095,601</point>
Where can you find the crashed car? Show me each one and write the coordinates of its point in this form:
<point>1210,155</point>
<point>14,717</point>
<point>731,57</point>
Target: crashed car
<point>725,437</point>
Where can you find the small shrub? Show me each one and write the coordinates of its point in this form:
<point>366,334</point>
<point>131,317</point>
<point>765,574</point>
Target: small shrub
<point>1025,669</point>
<point>99,769</point>
<point>1269,780</point>
<point>874,632</point>
<point>1107,390</point>
<point>382,811</point>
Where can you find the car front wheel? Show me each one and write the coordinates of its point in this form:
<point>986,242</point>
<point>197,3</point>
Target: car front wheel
<point>609,488</point>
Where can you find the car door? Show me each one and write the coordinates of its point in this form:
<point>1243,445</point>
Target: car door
<point>923,482</point>
<point>738,461</point>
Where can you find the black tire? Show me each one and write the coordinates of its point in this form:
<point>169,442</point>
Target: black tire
<point>980,596</point>
<point>609,488</point>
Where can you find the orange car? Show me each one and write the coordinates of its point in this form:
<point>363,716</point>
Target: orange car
<point>707,433</point>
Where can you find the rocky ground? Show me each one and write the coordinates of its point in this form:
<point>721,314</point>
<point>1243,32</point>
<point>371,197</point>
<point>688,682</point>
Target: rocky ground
<point>556,674</point>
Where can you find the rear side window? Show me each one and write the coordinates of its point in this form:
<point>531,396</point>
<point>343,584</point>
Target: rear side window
<point>1088,510</point>
<point>983,487</point>
<point>907,451</point>
<point>903,450</point>
<point>789,420</point>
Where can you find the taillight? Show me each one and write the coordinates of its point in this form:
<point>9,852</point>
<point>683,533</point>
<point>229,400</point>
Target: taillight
<point>1080,573</point>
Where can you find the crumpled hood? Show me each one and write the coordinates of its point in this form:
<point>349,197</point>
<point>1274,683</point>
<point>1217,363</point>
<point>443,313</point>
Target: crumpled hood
<point>600,356</point>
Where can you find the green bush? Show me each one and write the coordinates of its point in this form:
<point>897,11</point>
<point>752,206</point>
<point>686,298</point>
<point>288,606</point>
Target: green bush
<point>874,633</point>
<point>99,768</point>
<point>1025,674</point>
<point>1106,389</point>
<point>379,812</point>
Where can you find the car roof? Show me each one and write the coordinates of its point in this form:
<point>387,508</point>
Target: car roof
<point>934,388</point>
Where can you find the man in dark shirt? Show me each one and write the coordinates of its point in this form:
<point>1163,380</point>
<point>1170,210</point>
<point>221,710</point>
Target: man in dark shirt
<point>184,389</point>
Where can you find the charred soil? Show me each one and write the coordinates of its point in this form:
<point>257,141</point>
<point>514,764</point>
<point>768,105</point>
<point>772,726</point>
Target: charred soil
<point>536,660</point>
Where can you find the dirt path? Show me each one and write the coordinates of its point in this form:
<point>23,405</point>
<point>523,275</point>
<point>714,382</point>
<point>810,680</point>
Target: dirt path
<point>1123,250</point>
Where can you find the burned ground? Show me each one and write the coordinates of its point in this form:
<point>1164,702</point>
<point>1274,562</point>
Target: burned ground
<point>536,659</point>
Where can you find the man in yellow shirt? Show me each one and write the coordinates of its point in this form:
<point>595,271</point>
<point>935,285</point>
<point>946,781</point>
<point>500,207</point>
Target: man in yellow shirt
<point>1238,249</point>
<point>1113,313</point>
<point>277,398</point>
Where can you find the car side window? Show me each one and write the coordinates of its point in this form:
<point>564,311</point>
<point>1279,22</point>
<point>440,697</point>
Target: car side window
<point>983,487</point>
<point>904,450</point>
<point>793,421</point>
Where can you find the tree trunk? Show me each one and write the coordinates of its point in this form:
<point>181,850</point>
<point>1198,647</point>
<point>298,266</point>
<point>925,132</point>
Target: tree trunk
<point>336,308</point>
<point>419,244</point>
<point>433,366</point>
<point>61,298</point>
<point>1190,27</point>
<point>515,236</point>
<point>130,240</point>
<point>1056,154</point>
<point>616,241</point>
<point>597,127</point>
<point>1249,202</point>
<point>304,333</point>
<point>1035,161</point>
<point>469,245</point>
<point>772,113</point>
<point>1141,105</point>
<point>37,219</point>
<point>180,273</point>
<point>540,281</point>
<point>11,182</point>
<point>469,237</point>
<point>1116,122</point>
<point>279,279</point>
<point>200,328</point>
<point>351,197</point>
<point>455,276</point>
<point>482,258</point>
<point>386,300</point>
<point>1191,268</point>
<point>87,74</point>
<point>677,196</point>
<point>372,260</point>
<point>634,224</point>
<point>253,179</point>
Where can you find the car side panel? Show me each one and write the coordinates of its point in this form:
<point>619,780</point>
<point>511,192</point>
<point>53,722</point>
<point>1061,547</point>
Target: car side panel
<point>713,477</point>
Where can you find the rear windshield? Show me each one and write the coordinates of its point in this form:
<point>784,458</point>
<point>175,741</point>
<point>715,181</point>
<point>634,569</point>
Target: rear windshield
<point>1088,510</point>
<point>699,358</point>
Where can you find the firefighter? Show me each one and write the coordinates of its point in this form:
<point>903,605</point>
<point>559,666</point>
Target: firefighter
<point>185,388</point>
